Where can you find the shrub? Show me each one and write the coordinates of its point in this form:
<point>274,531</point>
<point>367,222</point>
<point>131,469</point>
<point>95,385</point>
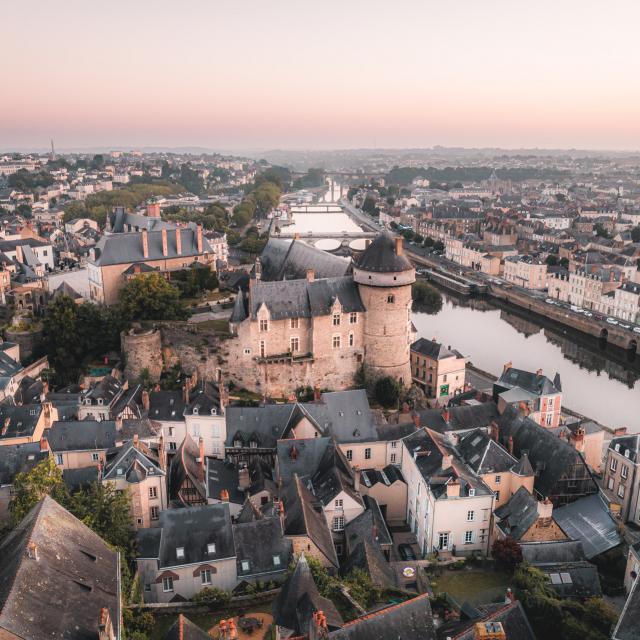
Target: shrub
<point>212,595</point>
<point>507,553</point>
<point>387,391</point>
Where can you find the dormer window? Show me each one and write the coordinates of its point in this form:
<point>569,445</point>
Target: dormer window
<point>119,471</point>
<point>237,443</point>
<point>618,447</point>
<point>276,561</point>
<point>100,401</point>
<point>245,565</point>
<point>214,412</point>
<point>472,493</point>
<point>211,548</point>
<point>195,411</point>
<point>180,553</point>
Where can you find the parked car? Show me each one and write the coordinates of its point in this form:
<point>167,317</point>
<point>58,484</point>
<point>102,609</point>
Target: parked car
<point>636,329</point>
<point>550,301</point>
<point>588,314</point>
<point>624,326</point>
<point>612,321</point>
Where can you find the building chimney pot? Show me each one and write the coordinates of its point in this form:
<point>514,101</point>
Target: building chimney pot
<point>316,394</point>
<point>399,246</point>
<point>178,241</point>
<point>224,495</point>
<point>416,420</point>
<point>145,243</point>
<point>145,400</point>
<point>32,551</point>
<point>199,238</point>
<point>243,478</point>
<point>135,439</point>
<point>311,275</point>
<point>165,244</point>
<point>44,444</point>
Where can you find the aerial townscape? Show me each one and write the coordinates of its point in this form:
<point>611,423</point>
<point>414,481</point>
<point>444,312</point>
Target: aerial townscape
<point>263,377</point>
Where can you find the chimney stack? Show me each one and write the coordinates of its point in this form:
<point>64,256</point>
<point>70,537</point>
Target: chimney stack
<point>539,373</point>
<point>453,489</point>
<point>489,631</point>
<point>145,400</point>
<point>224,495</point>
<point>399,246</point>
<point>243,478</point>
<point>145,243</point>
<point>356,479</point>
<point>178,241</point>
<point>199,238</point>
<point>201,456</point>
<point>510,445</point>
<point>507,366</point>
<point>44,444</point>
<point>416,419</point>
<point>316,394</point>
<point>311,275</point>
<point>153,210</point>
<point>162,458</point>
<point>135,440</point>
<point>32,551</point>
<point>446,415</point>
<point>165,245</point>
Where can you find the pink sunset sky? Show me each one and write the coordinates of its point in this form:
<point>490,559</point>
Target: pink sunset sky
<point>240,74</point>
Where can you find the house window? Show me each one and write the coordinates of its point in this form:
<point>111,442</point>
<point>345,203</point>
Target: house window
<point>263,348</point>
<point>58,458</point>
<point>180,553</point>
<point>155,513</point>
<point>95,457</point>
<point>367,454</point>
<point>614,464</point>
<point>276,561</point>
<point>153,492</point>
<point>351,339</point>
<point>211,548</point>
<point>264,325</point>
<point>497,495</point>
<point>339,502</point>
<point>172,446</point>
<point>247,352</point>
<point>610,484</point>
<point>472,493</point>
<point>391,298</point>
<point>443,540</point>
<point>471,516</point>
<point>336,342</point>
<point>498,479</point>
<point>167,584</point>
<point>468,537</point>
<point>170,431</point>
<point>624,471</point>
<point>349,454</point>
<point>245,565</point>
<point>621,491</point>
<point>336,319</point>
<point>294,345</point>
<point>293,323</point>
<point>393,458</point>
<point>338,523</point>
<point>205,576</point>
<point>353,318</point>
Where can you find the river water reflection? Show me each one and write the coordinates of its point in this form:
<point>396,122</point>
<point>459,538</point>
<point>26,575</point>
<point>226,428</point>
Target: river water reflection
<point>601,383</point>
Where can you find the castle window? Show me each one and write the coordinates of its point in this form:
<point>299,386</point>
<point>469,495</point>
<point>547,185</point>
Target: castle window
<point>263,348</point>
<point>349,454</point>
<point>336,342</point>
<point>295,345</point>
<point>351,339</point>
<point>338,523</point>
<point>294,323</point>
<point>353,318</point>
<point>264,325</point>
<point>391,298</point>
<point>336,319</point>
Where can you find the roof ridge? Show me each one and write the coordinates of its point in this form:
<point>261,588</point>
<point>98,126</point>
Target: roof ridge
<point>506,607</point>
<point>374,614</point>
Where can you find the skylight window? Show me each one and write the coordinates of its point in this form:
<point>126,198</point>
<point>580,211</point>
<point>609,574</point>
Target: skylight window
<point>180,553</point>
<point>211,548</point>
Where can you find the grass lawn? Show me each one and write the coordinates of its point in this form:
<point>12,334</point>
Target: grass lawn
<point>476,586</point>
<point>220,327</point>
<point>204,620</point>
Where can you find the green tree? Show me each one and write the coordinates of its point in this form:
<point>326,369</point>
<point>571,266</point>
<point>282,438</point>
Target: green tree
<point>387,391</point>
<point>507,553</point>
<point>24,210</point>
<point>29,487</point>
<point>313,178</point>
<point>106,511</point>
<point>191,179</point>
<point>266,197</point>
<point>425,297</point>
<point>151,297</point>
<point>369,206</point>
<point>552,260</point>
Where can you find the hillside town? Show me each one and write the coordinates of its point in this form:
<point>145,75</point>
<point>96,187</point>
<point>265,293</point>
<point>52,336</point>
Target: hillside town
<point>218,418</point>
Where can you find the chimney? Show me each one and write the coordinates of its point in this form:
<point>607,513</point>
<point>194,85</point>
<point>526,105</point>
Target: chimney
<point>105,627</point>
<point>453,489</point>
<point>399,246</point>
<point>316,394</point>
<point>318,626</point>
<point>539,373</point>
<point>545,509</point>
<point>243,478</point>
<point>293,453</point>
<point>165,246</point>
<point>447,459</point>
<point>224,495</point>
<point>404,408</point>
<point>201,458</point>
<point>510,445</point>
<point>489,631</point>
<point>44,444</point>
<point>32,551</point>
<point>178,241</point>
<point>507,366</point>
<point>416,419</point>
<point>145,243</point>
<point>153,210</point>
<point>509,597</point>
<point>186,390</point>
<point>135,440</point>
<point>118,422</point>
<point>145,400</point>
<point>162,458</point>
<point>446,414</point>
<point>199,238</point>
<point>281,513</point>
<point>356,479</point>
<point>311,275</point>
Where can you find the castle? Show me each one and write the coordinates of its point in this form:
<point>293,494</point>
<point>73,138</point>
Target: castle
<point>311,318</point>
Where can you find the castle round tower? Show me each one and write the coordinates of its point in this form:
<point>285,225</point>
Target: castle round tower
<point>384,277</point>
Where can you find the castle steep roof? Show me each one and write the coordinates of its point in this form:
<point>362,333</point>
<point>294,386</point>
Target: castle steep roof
<point>381,256</point>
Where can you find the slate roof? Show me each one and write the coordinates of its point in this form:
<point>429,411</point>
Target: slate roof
<point>560,551</point>
<point>259,542</point>
<point>369,558</point>
<point>184,629</point>
<point>134,463</point>
<point>517,516</point>
<point>511,615</point>
<point>239,312</point>
<point>222,474</point>
<point>184,465</point>
<point>369,525</point>
<point>483,454</point>
<point>204,400</point>
<point>589,521</point>
<point>17,458</point>
<point>433,350</point>
<point>265,424</point>
<point>76,479</point>
<point>82,435</point>
<point>18,422</point>
<point>381,257</point>
<point>462,417</point>
<point>299,599</point>
<point>531,382</point>
<point>127,247</point>
<point>301,517</point>
<point>386,476</point>
<point>300,457</point>
<point>106,390</point>
<point>61,593</point>
<point>166,406</point>
<point>405,621</point>
<point>193,529</point>
<point>627,443</point>
<point>304,299</point>
<point>289,260</point>
<point>628,625</point>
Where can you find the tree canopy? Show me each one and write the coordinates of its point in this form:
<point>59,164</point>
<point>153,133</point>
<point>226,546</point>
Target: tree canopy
<point>151,297</point>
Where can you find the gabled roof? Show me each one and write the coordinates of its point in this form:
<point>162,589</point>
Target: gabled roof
<point>204,400</point>
<point>184,629</point>
<point>627,445</point>
<point>483,454</point>
<point>19,422</point>
<point>166,406</point>
<point>134,463</point>
<point>262,544</point>
<point>368,526</point>
<point>17,458</point>
<point>368,557</point>
<point>184,466</point>
<point>62,592</point>
<point>517,516</point>
<point>82,435</point>
<point>266,423</point>
<point>628,626</point>
<point>299,599</point>
<point>433,350</point>
<point>511,615</point>
<point>535,383</point>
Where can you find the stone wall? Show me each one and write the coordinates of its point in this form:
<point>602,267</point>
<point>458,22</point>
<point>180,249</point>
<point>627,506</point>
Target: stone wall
<point>142,349</point>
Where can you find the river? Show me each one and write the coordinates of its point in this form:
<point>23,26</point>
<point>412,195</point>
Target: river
<point>598,382</point>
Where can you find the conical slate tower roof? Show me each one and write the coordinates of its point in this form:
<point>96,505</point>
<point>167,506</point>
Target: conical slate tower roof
<point>382,256</point>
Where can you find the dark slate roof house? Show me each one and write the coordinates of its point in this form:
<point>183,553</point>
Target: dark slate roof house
<point>628,626</point>
<point>184,629</point>
<point>57,578</point>
<point>82,435</point>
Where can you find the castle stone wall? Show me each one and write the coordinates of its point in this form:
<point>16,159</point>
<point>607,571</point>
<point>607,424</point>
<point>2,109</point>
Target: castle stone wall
<point>142,349</point>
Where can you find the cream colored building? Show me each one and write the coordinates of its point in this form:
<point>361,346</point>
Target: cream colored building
<point>437,370</point>
<point>81,443</point>
<point>525,271</point>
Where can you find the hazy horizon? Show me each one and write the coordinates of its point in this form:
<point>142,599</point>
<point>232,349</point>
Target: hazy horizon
<point>246,75</point>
